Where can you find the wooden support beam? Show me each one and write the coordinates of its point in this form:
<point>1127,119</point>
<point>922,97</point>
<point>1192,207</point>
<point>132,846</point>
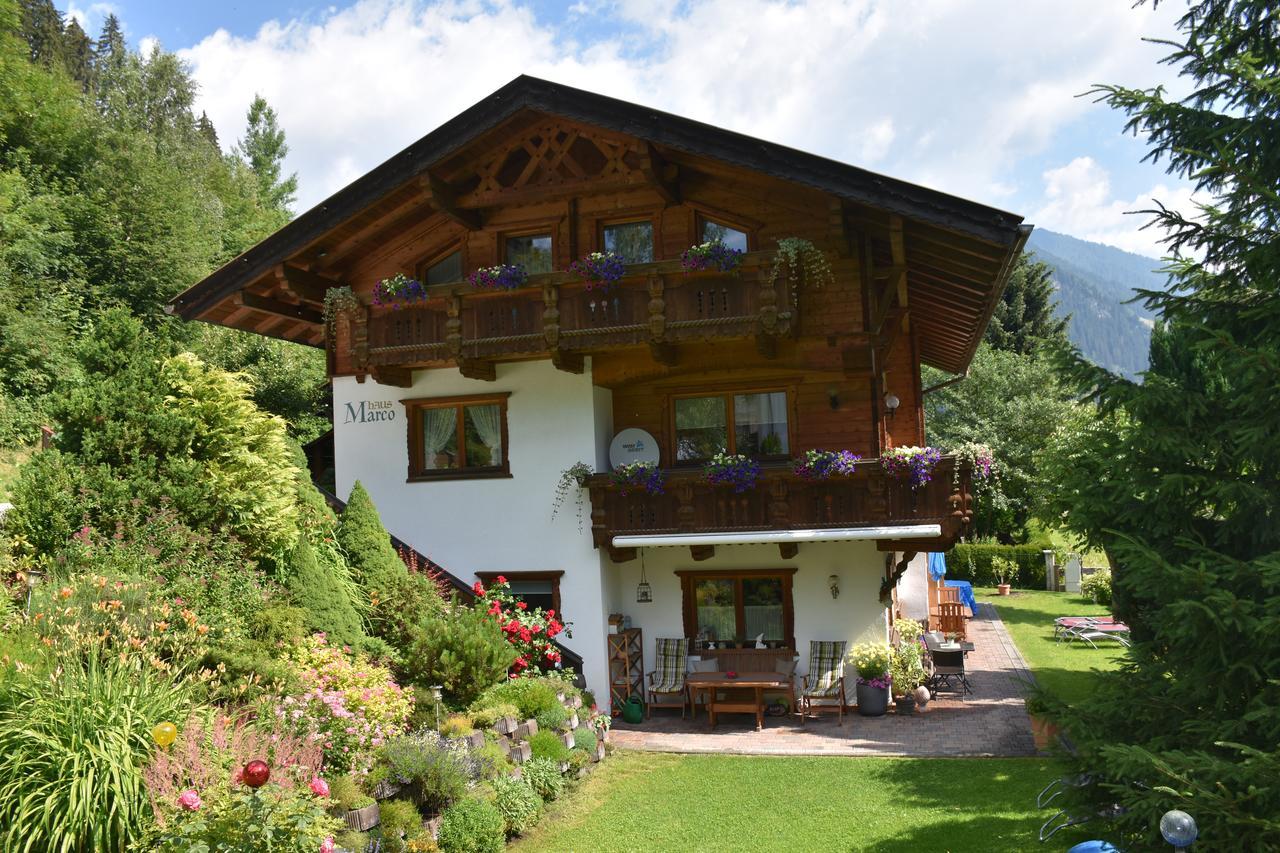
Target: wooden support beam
<point>304,285</point>
<point>444,199</point>
<point>662,176</point>
<point>275,306</point>
<point>702,552</point>
<point>788,550</point>
<point>400,377</point>
<point>622,555</point>
<point>569,362</point>
<point>664,353</point>
<point>474,369</point>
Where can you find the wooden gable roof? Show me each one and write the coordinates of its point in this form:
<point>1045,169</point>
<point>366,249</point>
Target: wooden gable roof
<point>505,149</point>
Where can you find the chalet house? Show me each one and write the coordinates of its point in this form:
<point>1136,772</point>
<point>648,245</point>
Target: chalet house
<point>460,408</point>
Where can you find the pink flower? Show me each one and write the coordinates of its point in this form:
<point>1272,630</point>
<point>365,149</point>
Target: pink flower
<point>189,800</point>
<point>327,846</point>
<point>319,787</point>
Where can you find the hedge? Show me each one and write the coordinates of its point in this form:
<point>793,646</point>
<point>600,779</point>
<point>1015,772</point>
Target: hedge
<point>1029,558</point>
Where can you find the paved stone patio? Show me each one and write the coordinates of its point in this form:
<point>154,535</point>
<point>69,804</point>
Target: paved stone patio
<point>989,721</point>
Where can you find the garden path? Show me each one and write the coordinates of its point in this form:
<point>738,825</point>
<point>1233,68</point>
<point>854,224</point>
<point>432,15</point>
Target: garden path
<point>990,721</point>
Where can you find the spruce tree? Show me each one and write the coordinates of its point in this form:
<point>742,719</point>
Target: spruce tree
<point>1180,480</point>
<point>318,592</point>
<point>263,148</point>
<point>77,51</point>
<point>1026,316</point>
<point>41,26</point>
<point>205,126</point>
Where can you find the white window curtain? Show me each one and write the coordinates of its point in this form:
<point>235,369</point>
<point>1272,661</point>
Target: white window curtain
<point>488,422</point>
<point>766,412</point>
<point>438,426</point>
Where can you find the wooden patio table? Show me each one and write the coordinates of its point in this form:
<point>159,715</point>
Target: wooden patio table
<point>756,682</point>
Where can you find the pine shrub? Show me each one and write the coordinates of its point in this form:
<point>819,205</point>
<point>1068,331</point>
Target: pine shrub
<point>317,591</point>
<point>463,651</point>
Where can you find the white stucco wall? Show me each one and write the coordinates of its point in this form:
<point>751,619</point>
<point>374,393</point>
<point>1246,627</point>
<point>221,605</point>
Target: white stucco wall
<point>856,616</point>
<point>498,525</point>
<point>913,588</point>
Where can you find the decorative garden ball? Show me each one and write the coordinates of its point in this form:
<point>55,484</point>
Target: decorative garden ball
<point>164,733</point>
<point>1179,828</point>
<point>256,773</point>
<point>922,696</point>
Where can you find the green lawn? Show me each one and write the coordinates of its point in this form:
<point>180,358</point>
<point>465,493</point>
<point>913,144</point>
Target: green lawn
<point>652,801</point>
<point>1064,669</point>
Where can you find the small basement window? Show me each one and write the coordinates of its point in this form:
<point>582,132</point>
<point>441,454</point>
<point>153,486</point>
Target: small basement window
<point>632,240</point>
<point>727,234</point>
<point>531,251</point>
<point>457,437</point>
<point>446,269</point>
<point>536,589</point>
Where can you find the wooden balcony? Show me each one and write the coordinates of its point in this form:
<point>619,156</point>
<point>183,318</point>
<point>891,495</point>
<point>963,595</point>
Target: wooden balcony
<point>781,501</point>
<point>556,316</point>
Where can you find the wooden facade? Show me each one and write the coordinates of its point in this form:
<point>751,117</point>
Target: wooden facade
<point>916,276</point>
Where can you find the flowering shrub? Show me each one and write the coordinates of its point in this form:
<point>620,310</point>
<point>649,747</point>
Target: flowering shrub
<point>824,464</point>
<point>871,660</point>
<point>501,277</point>
<point>979,457</point>
<point>906,658</point>
<point>639,475</point>
<point>94,615</point>
<point>274,817</point>
<point>350,707</point>
<point>710,255</point>
<point>529,631</point>
<point>738,471</point>
<point>398,291</point>
<point>600,269</point>
<point>913,463</point>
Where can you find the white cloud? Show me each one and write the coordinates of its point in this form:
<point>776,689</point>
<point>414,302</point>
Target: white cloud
<point>90,18</point>
<point>1079,201</point>
<point>953,94</point>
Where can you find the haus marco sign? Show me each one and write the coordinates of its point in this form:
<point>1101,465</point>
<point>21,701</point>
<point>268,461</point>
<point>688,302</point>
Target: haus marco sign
<point>369,411</point>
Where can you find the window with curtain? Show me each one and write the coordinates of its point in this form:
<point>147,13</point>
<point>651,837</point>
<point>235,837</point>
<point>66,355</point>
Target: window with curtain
<point>457,437</point>
<point>733,608</point>
<point>727,234</point>
<point>632,240</point>
<point>533,252</point>
<point>752,424</point>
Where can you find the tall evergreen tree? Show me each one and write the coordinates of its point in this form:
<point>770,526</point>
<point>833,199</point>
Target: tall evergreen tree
<point>205,126</point>
<point>1181,481</point>
<point>264,149</point>
<point>78,55</point>
<point>41,26</point>
<point>1025,318</point>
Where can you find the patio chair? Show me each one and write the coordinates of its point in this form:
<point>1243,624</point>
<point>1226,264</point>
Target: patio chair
<point>825,679</point>
<point>951,618</point>
<point>947,669</point>
<point>671,668</point>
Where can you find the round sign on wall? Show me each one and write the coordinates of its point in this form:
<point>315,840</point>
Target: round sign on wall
<point>633,445</point>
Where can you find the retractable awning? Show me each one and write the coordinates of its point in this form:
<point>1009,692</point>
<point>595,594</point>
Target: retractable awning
<point>780,537</point>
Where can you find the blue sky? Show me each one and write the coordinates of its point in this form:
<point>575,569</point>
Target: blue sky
<point>979,98</point>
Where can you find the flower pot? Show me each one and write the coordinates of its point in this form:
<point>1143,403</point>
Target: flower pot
<point>362,819</point>
<point>872,701</point>
<point>1044,731</point>
<point>905,704</point>
<point>1002,588</point>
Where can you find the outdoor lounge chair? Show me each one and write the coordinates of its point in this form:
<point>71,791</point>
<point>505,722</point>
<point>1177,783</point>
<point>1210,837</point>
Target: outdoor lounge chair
<point>1089,629</point>
<point>670,670</point>
<point>825,679</point>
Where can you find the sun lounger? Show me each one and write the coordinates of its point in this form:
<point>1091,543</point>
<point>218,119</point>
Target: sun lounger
<point>1089,629</point>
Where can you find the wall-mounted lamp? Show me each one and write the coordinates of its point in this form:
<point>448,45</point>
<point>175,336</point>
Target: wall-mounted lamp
<point>644,592</point>
<point>834,582</point>
<point>891,403</point>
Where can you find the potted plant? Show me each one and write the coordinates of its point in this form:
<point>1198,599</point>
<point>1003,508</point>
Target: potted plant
<point>914,464</point>
<point>358,810</point>
<point>398,291</point>
<point>574,478</point>
<point>600,269</point>
<point>712,255</point>
<point>638,475</point>
<point>501,277</point>
<point>906,665</point>
<point>1003,568</point>
<point>871,660</point>
<point>738,471</point>
<point>825,464</point>
<point>1044,731</point>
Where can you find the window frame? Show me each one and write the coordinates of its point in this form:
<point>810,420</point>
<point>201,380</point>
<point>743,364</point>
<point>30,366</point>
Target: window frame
<point>436,257</point>
<point>689,604</point>
<point>548,230</point>
<point>554,577</point>
<point>631,219</point>
<point>730,428</point>
<point>414,407</point>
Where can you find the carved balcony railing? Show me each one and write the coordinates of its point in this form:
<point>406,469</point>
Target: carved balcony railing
<point>782,500</point>
<point>657,304</point>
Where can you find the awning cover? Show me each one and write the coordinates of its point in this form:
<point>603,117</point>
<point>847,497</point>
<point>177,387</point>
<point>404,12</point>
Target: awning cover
<point>774,537</point>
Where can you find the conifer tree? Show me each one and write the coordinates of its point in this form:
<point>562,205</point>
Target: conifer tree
<point>41,25</point>
<point>1025,317</point>
<point>77,52</point>
<point>1180,481</point>
<point>207,130</point>
<point>264,149</point>
<point>319,593</point>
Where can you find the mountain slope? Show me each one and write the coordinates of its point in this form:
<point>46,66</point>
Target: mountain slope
<point>1094,285</point>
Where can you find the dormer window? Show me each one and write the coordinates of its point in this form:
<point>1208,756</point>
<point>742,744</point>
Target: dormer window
<point>632,240</point>
<point>531,251</point>
<point>446,269</point>
<point>727,234</point>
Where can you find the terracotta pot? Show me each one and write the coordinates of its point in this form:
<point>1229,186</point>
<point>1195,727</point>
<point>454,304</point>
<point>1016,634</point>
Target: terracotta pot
<point>1044,731</point>
<point>1002,589</point>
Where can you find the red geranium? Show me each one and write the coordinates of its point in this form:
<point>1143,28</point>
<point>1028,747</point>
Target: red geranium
<point>529,630</point>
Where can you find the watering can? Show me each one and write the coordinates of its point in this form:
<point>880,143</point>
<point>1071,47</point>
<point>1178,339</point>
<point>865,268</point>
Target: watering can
<point>633,709</point>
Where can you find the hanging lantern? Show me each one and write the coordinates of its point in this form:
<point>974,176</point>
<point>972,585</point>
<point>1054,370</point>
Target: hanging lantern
<point>644,592</point>
<point>164,734</point>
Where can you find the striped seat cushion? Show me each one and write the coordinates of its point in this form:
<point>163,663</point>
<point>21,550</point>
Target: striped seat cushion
<point>671,665</point>
<point>826,668</point>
